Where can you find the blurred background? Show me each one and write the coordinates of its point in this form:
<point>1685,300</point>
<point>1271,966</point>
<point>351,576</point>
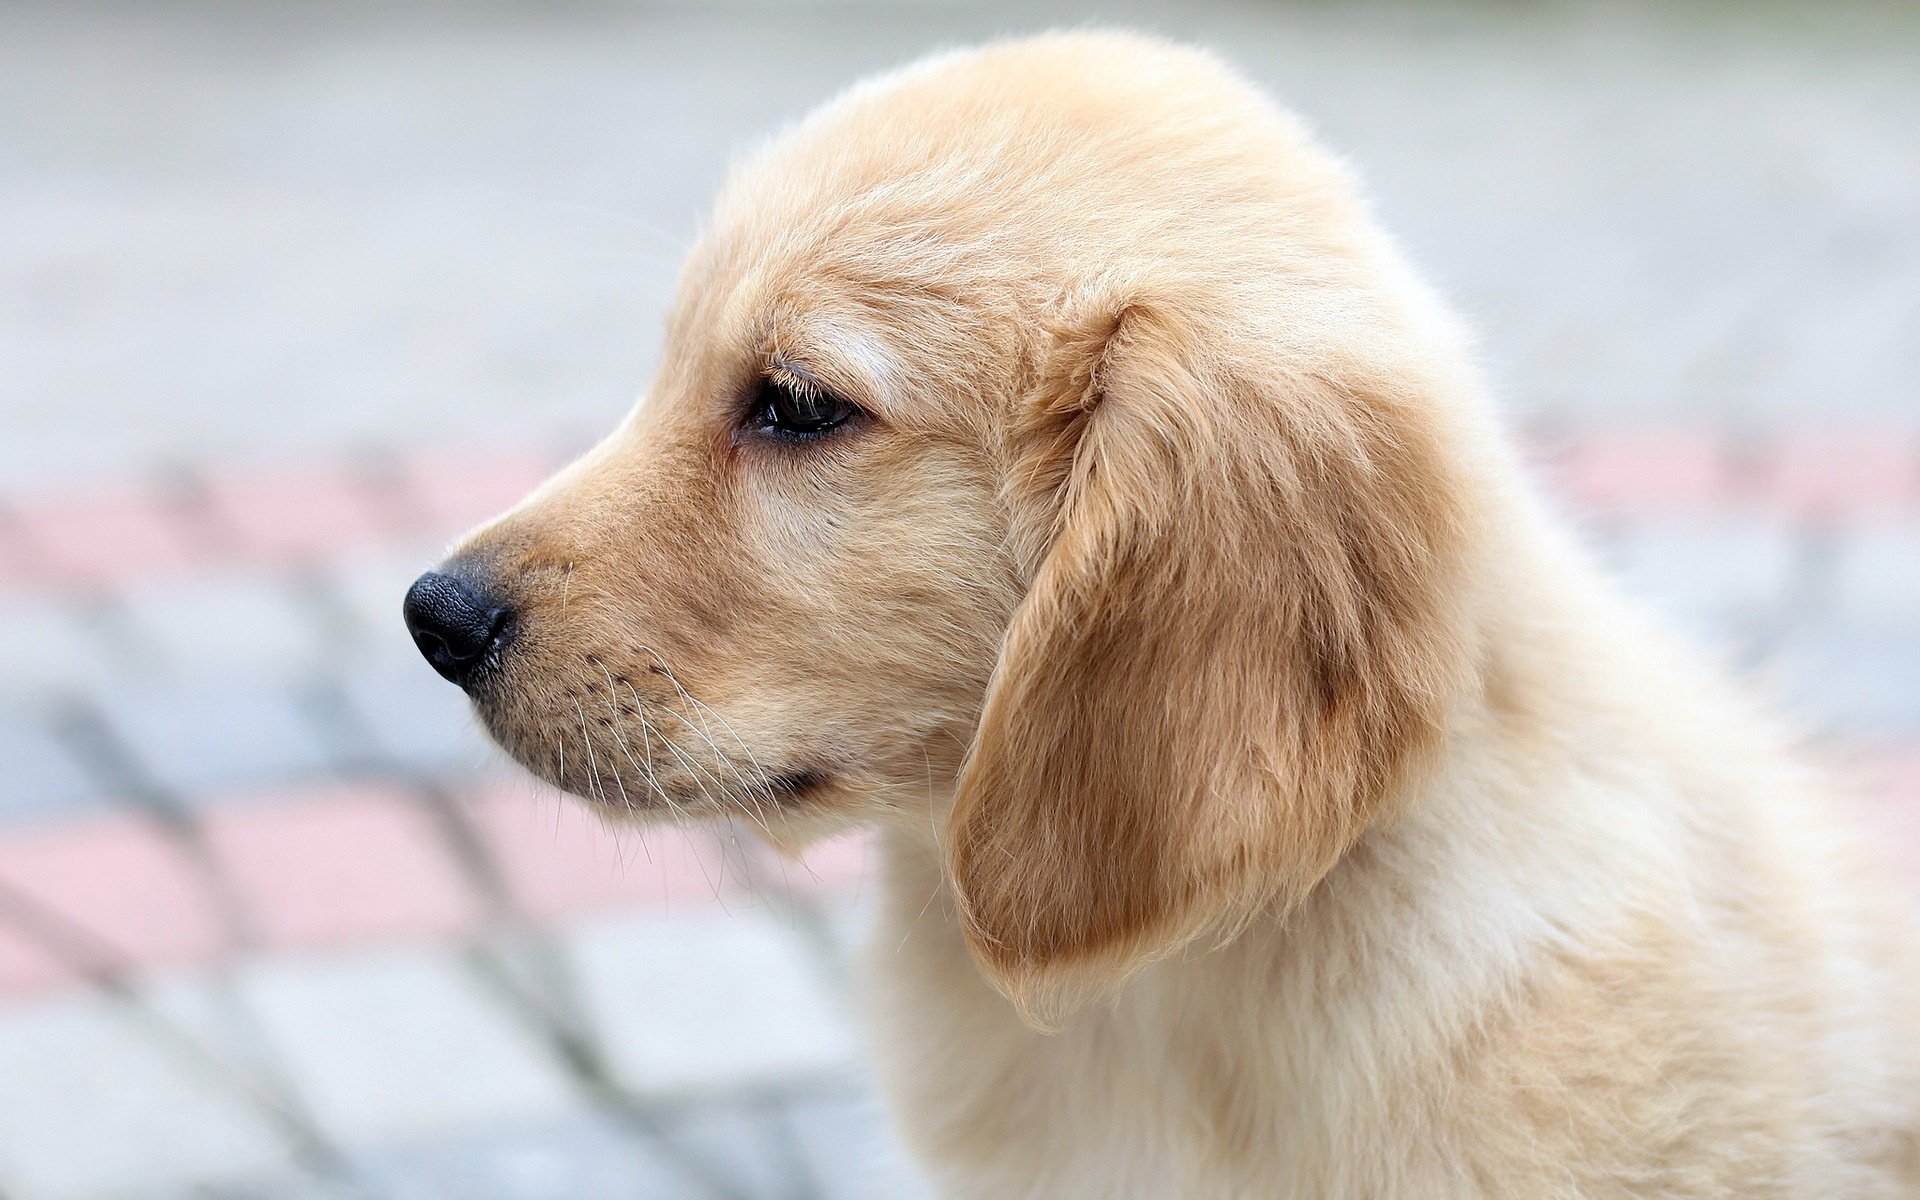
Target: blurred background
<point>291,293</point>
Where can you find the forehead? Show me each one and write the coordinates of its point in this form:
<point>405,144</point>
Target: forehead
<point>878,295</point>
<point>922,226</point>
<point>928,187</point>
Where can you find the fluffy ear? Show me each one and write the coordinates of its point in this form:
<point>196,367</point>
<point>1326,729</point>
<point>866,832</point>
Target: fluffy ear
<point>1239,634</point>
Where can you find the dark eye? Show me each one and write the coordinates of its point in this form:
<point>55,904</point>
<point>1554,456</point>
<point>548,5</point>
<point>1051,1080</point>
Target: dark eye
<point>797,410</point>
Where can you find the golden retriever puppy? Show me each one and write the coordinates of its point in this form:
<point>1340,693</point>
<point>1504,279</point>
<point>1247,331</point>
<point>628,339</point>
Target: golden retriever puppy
<point>1052,467</point>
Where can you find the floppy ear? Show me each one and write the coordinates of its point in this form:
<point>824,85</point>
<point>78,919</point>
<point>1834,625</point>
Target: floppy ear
<point>1238,636</point>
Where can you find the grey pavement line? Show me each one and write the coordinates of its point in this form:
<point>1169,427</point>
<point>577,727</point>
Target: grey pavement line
<point>558,1014</point>
<point>1809,587</point>
<point>105,612</point>
<point>127,781</point>
<point>802,1181</point>
<point>384,481</point>
<point>809,919</point>
<point>363,752</point>
<point>184,490</point>
<point>810,925</point>
<point>14,530</point>
<point>105,972</point>
<point>319,593</point>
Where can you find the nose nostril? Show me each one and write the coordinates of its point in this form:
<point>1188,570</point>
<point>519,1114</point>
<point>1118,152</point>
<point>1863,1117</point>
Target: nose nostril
<point>455,626</point>
<point>499,630</point>
<point>429,643</point>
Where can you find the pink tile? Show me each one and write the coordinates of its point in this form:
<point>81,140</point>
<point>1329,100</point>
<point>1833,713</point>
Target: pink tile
<point>297,514</point>
<point>1896,770</point>
<point>110,534</point>
<point>118,879</point>
<point>26,965</point>
<point>343,863</point>
<point>837,864</point>
<point>1635,471</point>
<point>21,566</point>
<point>559,858</point>
<point>463,487</point>
<point>1885,779</point>
<point>1842,473</point>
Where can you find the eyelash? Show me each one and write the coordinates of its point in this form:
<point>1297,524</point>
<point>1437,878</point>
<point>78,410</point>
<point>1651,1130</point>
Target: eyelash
<point>793,410</point>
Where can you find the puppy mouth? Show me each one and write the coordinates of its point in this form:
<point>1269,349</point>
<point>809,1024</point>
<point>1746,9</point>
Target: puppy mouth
<point>477,680</point>
<point>626,748</point>
<point>701,799</point>
<point>796,785</point>
<point>674,784</point>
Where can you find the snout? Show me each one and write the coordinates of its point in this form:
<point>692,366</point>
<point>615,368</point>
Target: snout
<point>460,625</point>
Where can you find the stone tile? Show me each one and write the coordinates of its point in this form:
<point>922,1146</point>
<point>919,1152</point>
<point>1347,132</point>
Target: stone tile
<point>1640,471</point>
<point>558,857</point>
<point>23,566</point>
<point>298,513</point>
<point>523,964</point>
<point>851,1147</point>
<point>1717,580</point>
<point>747,1142</point>
<point>1887,785</point>
<point>372,585</point>
<point>217,623</point>
<point>1898,770</point>
<point>120,881</point>
<point>1875,576</point>
<point>838,863</point>
<point>341,863</point>
<point>49,649</point>
<point>218,734</point>
<point>1843,473</point>
<point>589,1157</point>
<point>465,486</point>
<point>111,534</point>
<point>849,920</point>
<point>418,719</point>
<point>700,1002</point>
<point>39,775</point>
<point>197,1002</point>
<point>838,1133</point>
<point>30,967</point>
<point>403,1043</point>
<point>1860,679</point>
<point>570,1160</point>
<point>91,1107</point>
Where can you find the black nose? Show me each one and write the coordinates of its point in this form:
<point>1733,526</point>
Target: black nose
<point>458,627</point>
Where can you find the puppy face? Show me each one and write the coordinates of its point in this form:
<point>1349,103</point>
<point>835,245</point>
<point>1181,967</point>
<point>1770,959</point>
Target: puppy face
<point>775,591</point>
<point>1043,439</point>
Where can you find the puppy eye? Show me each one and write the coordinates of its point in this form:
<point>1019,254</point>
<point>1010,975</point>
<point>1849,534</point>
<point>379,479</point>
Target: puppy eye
<point>797,411</point>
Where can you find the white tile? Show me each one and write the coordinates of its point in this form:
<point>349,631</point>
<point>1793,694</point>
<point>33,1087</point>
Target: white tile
<point>90,1106</point>
<point>699,1002</point>
<point>47,648</point>
<point>229,620</point>
<point>1716,580</point>
<point>371,587</point>
<point>1876,574</point>
<point>403,1043</point>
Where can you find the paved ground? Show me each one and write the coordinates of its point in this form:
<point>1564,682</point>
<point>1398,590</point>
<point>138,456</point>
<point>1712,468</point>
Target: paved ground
<point>288,297</point>
<point>294,225</point>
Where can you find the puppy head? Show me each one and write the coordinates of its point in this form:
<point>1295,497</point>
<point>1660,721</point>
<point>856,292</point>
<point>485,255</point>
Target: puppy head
<point>1043,440</point>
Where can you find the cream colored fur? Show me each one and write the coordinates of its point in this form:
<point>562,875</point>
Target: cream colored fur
<point>1275,802</point>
